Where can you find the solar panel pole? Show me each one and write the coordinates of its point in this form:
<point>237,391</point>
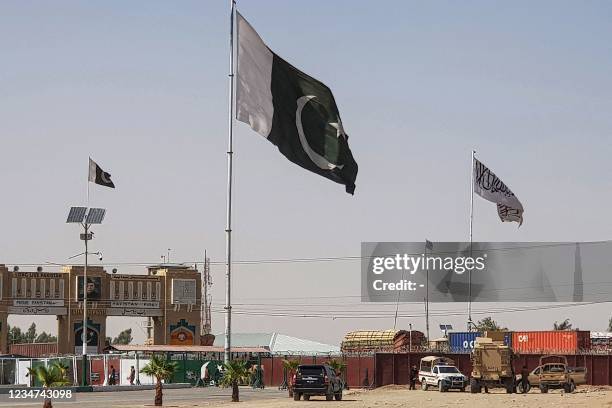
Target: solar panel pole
<point>86,217</point>
<point>84,327</point>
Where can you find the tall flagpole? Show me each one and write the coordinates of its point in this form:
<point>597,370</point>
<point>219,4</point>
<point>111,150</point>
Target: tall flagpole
<point>228,227</point>
<point>426,294</point>
<point>469,322</point>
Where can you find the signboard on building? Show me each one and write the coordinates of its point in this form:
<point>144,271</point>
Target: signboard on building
<point>38,302</point>
<point>129,311</point>
<point>37,310</point>
<point>183,291</point>
<point>135,304</point>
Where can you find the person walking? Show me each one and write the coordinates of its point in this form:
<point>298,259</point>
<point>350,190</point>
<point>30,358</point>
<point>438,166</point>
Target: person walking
<point>413,377</point>
<point>132,375</point>
<point>111,376</point>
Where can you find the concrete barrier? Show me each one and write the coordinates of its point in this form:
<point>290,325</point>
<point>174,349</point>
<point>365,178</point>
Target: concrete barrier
<point>112,388</point>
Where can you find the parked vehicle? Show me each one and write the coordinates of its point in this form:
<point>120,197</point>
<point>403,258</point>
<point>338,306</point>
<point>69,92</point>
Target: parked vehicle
<point>440,372</point>
<point>316,379</point>
<point>491,366</point>
<point>554,374</point>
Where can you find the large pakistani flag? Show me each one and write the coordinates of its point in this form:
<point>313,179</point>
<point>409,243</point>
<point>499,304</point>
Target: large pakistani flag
<point>292,110</point>
<point>491,188</point>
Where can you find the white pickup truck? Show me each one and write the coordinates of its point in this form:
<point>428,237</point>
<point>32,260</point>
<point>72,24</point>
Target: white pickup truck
<point>441,373</point>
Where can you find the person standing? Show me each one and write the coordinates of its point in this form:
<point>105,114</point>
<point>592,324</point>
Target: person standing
<point>132,375</point>
<point>413,377</point>
<point>525,378</point>
<point>111,377</point>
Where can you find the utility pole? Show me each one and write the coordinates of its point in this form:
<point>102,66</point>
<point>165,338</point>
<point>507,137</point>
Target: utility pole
<point>205,323</point>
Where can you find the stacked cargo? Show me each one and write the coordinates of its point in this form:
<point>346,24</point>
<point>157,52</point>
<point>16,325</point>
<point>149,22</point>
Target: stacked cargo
<point>551,342</point>
<point>366,341</point>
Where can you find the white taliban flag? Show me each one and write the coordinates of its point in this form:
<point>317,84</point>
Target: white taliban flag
<point>491,188</point>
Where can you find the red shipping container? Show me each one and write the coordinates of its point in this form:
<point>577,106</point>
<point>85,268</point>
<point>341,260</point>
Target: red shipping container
<point>548,342</point>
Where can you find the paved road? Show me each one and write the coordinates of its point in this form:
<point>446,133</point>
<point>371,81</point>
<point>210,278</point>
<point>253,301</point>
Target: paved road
<point>133,399</point>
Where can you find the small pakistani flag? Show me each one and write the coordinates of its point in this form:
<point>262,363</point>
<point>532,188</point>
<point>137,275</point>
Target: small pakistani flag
<point>292,110</point>
<point>99,176</point>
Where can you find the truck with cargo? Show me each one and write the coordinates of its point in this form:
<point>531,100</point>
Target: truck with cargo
<point>491,366</point>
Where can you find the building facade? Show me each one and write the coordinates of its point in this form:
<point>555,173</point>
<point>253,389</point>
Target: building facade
<point>167,296</point>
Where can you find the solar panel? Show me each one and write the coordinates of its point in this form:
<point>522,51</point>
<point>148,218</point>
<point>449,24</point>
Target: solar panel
<point>95,216</point>
<point>76,214</point>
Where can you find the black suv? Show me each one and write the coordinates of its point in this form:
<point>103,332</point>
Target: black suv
<point>317,379</point>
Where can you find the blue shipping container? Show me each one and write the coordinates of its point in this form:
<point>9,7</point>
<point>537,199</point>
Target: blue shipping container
<point>463,342</point>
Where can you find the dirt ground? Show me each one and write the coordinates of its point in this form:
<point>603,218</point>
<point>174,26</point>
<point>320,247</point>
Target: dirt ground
<point>399,396</point>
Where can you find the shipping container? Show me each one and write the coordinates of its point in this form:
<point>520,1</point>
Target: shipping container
<point>463,342</point>
<point>547,342</point>
<point>34,349</point>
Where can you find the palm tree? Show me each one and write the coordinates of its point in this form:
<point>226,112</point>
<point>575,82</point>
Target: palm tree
<point>161,369</point>
<point>290,366</point>
<point>564,325</point>
<point>336,365</point>
<point>234,373</point>
<point>52,376</point>
<point>62,368</point>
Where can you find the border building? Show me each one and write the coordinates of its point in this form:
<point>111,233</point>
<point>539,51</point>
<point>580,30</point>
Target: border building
<point>168,295</point>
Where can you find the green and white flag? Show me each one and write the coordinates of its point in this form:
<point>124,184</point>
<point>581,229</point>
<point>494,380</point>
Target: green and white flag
<point>292,110</point>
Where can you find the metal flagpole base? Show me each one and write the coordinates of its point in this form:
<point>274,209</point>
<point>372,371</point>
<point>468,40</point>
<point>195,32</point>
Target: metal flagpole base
<point>84,369</point>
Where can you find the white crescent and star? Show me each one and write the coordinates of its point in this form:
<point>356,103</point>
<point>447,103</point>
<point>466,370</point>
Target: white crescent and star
<point>104,178</point>
<point>317,159</point>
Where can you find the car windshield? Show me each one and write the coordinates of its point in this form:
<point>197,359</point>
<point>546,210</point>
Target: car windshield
<point>311,370</point>
<point>447,370</point>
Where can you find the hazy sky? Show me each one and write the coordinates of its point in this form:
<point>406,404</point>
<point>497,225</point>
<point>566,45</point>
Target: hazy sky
<point>141,86</point>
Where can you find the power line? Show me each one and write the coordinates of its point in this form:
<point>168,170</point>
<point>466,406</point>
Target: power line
<point>307,259</point>
<point>386,315</point>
